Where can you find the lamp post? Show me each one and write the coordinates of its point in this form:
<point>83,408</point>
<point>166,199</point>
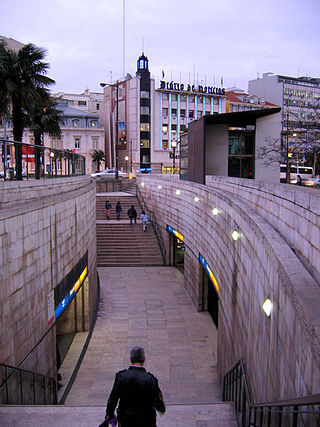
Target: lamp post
<point>126,159</point>
<point>117,125</point>
<point>174,145</point>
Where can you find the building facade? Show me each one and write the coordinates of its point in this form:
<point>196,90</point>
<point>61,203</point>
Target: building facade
<point>240,100</point>
<point>151,116</point>
<point>299,99</point>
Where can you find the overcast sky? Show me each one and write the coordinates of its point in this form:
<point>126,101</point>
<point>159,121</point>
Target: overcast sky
<point>207,39</point>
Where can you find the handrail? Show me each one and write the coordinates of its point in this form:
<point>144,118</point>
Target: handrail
<point>20,160</point>
<point>42,390</point>
<point>156,227</point>
<point>236,388</point>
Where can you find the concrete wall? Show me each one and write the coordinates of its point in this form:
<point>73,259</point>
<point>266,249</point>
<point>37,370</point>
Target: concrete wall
<point>216,150</point>
<point>268,129</point>
<point>45,228</point>
<point>282,353</point>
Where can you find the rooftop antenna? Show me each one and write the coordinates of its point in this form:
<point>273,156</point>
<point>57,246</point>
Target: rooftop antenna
<point>111,77</point>
<point>124,38</point>
<point>142,45</point>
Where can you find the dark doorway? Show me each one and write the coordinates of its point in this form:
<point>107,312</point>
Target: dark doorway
<point>176,252</point>
<point>210,299</point>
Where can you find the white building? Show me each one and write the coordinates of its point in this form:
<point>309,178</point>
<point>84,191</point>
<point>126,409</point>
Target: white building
<point>299,98</point>
<point>150,117</point>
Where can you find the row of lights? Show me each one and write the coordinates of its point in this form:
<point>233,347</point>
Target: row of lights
<point>267,305</point>
<point>235,235</point>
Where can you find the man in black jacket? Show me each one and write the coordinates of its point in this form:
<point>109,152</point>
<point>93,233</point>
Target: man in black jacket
<point>138,392</point>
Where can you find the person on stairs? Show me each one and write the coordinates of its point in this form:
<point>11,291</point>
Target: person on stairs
<point>132,214</point>
<point>108,207</point>
<point>118,210</point>
<point>145,220</point>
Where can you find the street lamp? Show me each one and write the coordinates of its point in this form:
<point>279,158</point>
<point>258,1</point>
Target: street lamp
<point>117,125</point>
<point>174,145</point>
<point>126,159</point>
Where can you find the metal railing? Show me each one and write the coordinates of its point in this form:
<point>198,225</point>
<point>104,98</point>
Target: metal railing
<point>156,227</point>
<point>21,387</point>
<point>304,411</point>
<point>19,160</point>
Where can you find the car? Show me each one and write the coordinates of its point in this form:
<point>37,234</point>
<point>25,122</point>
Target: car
<point>312,182</point>
<point>109,173</point>
<point>10,171</point>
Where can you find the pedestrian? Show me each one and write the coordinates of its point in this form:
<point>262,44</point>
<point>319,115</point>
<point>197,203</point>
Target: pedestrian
<point>145,220</point>
<point>138,394</point>
<point>108,206</point>
<point>132,214</point>
<point>118,210</point>
<point>299,180</point>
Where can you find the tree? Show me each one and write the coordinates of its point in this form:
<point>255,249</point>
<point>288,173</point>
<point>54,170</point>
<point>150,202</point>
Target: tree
<point>300,137</point>
<point>22,73</point>
<point>44,117</point>
<point>98,156</point>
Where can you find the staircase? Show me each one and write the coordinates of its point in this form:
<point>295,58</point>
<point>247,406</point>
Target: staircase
<point>118,243</point>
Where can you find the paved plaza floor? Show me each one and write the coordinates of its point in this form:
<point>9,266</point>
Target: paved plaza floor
<point>148,306</point>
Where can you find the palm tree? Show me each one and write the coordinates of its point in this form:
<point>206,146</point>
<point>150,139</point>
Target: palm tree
<point>21,74</point>
<point>98,156</point>
<point>44,117</point>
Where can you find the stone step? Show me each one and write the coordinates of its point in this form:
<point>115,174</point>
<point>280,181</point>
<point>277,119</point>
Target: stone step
<point>198,415</point>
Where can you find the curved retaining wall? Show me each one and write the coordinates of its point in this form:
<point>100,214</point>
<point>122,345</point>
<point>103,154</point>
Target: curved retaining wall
<point>282,353</point>
<point>45,227</point>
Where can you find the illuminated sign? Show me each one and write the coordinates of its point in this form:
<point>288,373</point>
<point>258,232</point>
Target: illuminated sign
<point>175,233</point>
<point>211,275</point>
<point>212,90</point>
<point>68,298</point>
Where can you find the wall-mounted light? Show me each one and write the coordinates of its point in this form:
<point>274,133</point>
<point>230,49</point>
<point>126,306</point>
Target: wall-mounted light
<point>235,235</point>
<point>142,184</point>
<point>267,307</point>
<point>196,199</point>
<point>215,211</point>
<point>159,187</point>
<point>178,192</point>
<point>51,154</point>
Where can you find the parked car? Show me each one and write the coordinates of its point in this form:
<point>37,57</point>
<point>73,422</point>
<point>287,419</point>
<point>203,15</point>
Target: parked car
<point>11,171</point>
<point>312,182</point>
<point>109,173</point>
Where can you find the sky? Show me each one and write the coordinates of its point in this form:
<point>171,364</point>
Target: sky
<point>206,41</point>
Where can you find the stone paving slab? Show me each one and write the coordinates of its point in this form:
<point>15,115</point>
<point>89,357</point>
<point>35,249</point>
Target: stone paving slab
<point>149,306</point>
<point>206,415</point>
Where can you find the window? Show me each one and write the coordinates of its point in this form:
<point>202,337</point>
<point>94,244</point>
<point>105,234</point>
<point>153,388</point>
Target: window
<point>75,123</point>
<point>191,114</point>
<point>70,101</point>
<point>98,107</point>
<point>144,94</point>
<point>183,98</point>
<point>165,96</point>
<point>165,129</point>
<point>174,128</point>
<point>199,114</point>
<point>174,113</point>
<point>145,143</point>
<point>83,103</point>
<point>77,142</point>
<point>144,109</point>
<point>182,113</point>
<point>95,142</point>
<point>174,97</point>
<point>241,158</point>
<point>144,126</point>
<point>93,123</point>
<point>165,144</point>
<point>165,112</point>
